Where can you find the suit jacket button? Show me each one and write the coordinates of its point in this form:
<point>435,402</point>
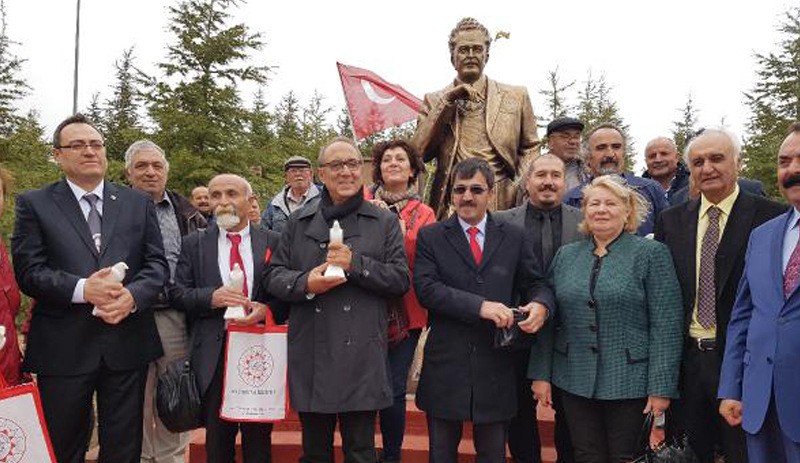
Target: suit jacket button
<point>365,273</point>
<point>219,337</point>
<point>479,279</point>
<point>347,308</point>
<point>317,309</point>
<point>347,342</point>
<point>594,349</point>
<point>322,245</point>
<point>593,328</point>
<point>769,360</point>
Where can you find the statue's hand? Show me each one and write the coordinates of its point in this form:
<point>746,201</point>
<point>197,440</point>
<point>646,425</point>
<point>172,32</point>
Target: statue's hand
<point>461,92</point>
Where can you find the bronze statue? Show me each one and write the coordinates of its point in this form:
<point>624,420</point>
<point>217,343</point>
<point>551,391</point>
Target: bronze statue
<point>475,117</point>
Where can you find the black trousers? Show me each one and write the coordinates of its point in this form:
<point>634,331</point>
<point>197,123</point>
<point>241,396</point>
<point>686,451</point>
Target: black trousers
<point>67,406</point>
<point>604,431</point>
<point>358,436</point>
<point>221,434</point>
<point>697,411</point>
<point>523,430</point>
<point>564,452</point>
<point>445,435</point>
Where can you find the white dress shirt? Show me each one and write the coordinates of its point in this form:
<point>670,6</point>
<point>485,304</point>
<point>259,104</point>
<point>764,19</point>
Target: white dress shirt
<point>77,293</point>
<point>245,250</point>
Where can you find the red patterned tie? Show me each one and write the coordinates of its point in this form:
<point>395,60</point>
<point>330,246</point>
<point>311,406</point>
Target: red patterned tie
<point>236,258</point>
<point>473,244</point>
<point>792,272</point>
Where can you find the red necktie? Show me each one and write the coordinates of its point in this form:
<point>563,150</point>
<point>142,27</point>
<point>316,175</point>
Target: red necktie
<point>236,258</point>
<point>792,272</point>
<point>473,244</point>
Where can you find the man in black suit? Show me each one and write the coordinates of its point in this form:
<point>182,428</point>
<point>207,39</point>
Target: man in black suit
<point>708,237</point>
<point>89,333</point>
<point>548,224</point>
<point>468,272</point>
<point>202,290</point>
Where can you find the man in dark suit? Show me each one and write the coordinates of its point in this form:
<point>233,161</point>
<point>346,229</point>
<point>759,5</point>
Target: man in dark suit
<point>202,290</point>
<point>66,237</point>
<point>548,224</point>
<point>468,272</point>
<point>708,238</point>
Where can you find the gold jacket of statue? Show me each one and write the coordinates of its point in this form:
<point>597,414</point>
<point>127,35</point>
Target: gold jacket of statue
<point>510,123</point>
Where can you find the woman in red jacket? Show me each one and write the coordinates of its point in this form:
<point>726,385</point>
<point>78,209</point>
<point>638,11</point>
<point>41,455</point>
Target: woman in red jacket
<point>10,356</point>
<point>395,168</point>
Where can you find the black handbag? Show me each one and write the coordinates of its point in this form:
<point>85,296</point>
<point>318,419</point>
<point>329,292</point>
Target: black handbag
<point>513,338</point>
<point>178,399</point>
<point>675,449</point>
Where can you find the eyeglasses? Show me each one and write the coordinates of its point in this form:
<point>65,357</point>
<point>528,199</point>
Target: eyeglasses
<point>474,189</point>
<point>337,166</point>
<point>95,145</point>
<point>566,136</point>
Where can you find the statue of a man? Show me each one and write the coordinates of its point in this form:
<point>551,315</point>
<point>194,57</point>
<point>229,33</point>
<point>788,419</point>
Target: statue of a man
<point>475,117</point>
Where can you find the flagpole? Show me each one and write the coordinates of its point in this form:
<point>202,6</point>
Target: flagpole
<point>77,42</point>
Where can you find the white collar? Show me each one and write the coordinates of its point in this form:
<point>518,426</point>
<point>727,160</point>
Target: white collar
<point>481,226</point>
<point>80,192</point>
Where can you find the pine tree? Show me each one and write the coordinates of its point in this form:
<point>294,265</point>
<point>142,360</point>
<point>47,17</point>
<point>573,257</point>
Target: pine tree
<point>12,85</point>
<point>555,93</point>
<point>196,106</point>
<point>95,112</point>
<point>596,107</point>
<point>684,128</point>
<point>121,116</point>
<point>774,103</point>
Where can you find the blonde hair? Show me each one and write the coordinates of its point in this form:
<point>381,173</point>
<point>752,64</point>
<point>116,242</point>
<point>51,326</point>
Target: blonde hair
<point>637,206</point>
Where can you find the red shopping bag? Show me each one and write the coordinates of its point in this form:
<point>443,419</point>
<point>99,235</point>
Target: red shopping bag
<point>23,432</point>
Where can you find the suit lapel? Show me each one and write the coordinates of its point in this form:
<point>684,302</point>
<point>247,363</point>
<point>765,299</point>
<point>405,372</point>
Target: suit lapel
<point>211,256</point>
<point>65,199</point>
<point>734,238</point>
<point>689,244</point>
<point>492,241</point>
<point>111,205</point>
<point>456,237</point>
<point>493,100</point>
<point>258,241</point>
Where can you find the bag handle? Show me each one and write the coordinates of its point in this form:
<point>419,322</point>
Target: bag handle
<point>643,442</point>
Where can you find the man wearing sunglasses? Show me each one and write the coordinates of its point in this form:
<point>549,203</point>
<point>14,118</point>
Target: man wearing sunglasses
<point>468,271</point>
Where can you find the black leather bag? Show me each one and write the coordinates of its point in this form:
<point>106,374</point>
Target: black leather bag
<point>512,339</point>
<point>178,399</point>
<point>675,449</point>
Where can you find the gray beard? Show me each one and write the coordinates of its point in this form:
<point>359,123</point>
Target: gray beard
<point>226,221</point>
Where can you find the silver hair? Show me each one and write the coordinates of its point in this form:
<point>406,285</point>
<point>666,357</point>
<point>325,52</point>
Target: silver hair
<point>248,187</point>
<point>143,145</point>
<point>735,143</point>
<point>345,140</point>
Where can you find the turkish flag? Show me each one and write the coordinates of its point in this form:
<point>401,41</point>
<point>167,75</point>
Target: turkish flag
<point>373,103</point>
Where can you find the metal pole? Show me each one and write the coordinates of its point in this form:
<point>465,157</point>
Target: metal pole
<point>77,47</point>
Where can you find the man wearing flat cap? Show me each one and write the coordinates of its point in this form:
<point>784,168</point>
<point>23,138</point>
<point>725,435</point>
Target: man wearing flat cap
<point>475,117</point>
<point>564,141</point>
<point>298,192</point>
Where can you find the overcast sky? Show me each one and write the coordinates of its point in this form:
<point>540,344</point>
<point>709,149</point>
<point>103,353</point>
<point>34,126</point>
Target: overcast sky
<point>652,53</point>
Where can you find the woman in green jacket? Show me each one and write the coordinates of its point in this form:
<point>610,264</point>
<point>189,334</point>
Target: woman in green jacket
<point>613,346</point>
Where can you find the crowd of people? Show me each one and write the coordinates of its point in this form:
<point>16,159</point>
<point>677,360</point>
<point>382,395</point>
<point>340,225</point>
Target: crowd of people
<point>542,280</point>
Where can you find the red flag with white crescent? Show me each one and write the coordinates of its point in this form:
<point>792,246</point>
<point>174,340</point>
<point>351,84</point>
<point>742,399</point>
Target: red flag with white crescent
<point>373,103</point>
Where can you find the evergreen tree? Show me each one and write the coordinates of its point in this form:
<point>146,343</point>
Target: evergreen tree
<point>12,85</point>
<point>95,112</point>
<point>201,121</point>
<point>121,122</point>
<point>555,93</point>
<point>684,128</point>
<point>774,103</point>
<point>596,106</point>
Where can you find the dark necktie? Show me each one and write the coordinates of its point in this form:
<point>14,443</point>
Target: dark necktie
<point>706,287</point>
<point>477,253</point>
<point>547,239</point>
<point>790,276</point>
<point>236,257</point>
<point>94,219</point>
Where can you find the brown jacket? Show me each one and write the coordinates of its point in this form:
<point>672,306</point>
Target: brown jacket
<point>511,128</point>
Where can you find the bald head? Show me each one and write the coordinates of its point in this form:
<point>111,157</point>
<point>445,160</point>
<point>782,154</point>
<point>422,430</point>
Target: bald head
<point>661,157</point>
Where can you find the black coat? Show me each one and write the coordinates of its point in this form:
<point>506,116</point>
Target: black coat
<point>463,377</point>
<point>196,279</point>
<point>677,228</point>
<point>337,340</point>
<point>53,249</point>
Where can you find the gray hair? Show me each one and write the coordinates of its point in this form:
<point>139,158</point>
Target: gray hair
<point>143,145</point>
<point>669,141</point>
<point>735,143</point>
<point>345,140</point>
<point>588,149</point>
<point>247,186</point>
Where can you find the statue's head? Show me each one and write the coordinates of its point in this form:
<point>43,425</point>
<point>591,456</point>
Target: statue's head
<point>469,49</point>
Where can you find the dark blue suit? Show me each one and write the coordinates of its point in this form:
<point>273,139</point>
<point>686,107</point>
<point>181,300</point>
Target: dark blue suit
<point>761,367</point>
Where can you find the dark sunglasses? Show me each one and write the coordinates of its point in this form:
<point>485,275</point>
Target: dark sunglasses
<point>474,189</point>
